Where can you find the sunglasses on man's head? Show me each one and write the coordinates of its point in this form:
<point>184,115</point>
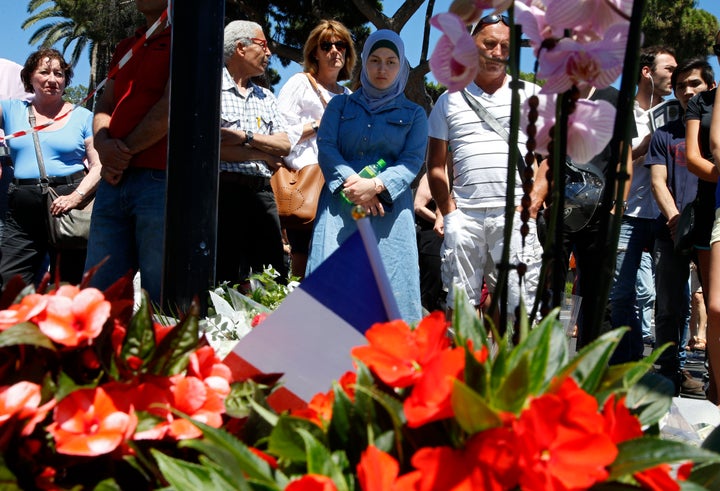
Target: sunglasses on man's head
<point>339,45</point>
<point>494,19</point>
<point>716,49</point>
<point>490,20</point>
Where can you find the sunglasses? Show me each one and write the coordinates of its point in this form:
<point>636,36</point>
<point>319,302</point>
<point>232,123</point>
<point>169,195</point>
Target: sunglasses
<point>716,49</point>
<point>339,45</point>
<point>260,42</point>
<point>494,19</point>
<point>490,20</point>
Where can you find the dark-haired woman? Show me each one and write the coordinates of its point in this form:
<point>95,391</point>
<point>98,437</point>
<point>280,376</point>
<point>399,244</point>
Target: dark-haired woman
<point>71,163</point>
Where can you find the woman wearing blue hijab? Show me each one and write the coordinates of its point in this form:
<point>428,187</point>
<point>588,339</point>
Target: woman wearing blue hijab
<point>375,122</point>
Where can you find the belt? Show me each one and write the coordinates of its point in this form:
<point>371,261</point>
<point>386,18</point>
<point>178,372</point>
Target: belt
<point>52,180</point>
<point>245,180</point>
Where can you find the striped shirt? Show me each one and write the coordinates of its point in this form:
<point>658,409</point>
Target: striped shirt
<point>480,156</point>
<point>257,112</point>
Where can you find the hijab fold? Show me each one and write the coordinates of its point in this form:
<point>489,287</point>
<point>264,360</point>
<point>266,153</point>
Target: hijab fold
<point>376,98</point>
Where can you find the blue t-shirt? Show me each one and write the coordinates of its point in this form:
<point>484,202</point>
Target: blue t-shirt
<point>667,147</point>
<point>63,149</point>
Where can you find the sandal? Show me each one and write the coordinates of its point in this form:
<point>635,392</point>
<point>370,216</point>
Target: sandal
<point>697,344</point>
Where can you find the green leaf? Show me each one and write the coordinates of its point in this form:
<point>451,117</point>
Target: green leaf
<point>320,461</point>
<point>285,440</point>
<point>139,339</point>
<point>186,476</point>
<point>232,455</point>
<point>712,442</point>
<point>590,363</point>
<point>513,391</point>
<point>174,350</point>
<point>107,485</point>
<point>237,402</point>
<point>472,413</point>
<point>343,423</point>
<point>25,333</point>
<point>650,398</point>
<point>707,476</point>
<point>467,324</point>
<point>546,347</point>
<point>647,452</point>
<point>8,481</point>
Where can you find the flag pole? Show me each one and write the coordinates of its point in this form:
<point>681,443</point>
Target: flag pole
<point>370,243</point>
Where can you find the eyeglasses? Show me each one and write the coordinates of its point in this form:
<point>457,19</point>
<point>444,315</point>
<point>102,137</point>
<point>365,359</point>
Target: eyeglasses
<point>339,45</point>
<point>716,49</point>
<point>260,42</point>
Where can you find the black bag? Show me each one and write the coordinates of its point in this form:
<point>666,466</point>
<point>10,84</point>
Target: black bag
<point>685,230</point>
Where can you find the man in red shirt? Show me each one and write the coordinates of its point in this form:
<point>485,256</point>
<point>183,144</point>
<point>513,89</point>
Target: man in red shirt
<point>130,135</point>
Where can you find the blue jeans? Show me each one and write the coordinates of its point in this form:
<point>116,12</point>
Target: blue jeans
<point>646,292</point>
<point>128,227</point>
<point>636,235</point>
<point>673,303</point>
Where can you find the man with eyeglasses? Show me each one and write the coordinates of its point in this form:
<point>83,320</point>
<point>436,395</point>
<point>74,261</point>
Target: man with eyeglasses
<point>253,141</point>
<point>472,217</point>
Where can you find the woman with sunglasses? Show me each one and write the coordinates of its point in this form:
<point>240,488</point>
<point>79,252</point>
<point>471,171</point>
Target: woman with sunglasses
<point>375,122</point>
<point>328,57</point>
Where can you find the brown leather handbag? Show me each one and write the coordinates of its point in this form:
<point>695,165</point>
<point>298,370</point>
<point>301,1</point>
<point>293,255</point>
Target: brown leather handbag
<point>297,191</point>
<point>296,194</point>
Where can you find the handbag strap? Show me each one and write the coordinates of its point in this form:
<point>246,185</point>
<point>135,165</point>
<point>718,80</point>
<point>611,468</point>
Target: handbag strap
<point>316,88</point>
<point>496,126</point>
<point>44,182</point>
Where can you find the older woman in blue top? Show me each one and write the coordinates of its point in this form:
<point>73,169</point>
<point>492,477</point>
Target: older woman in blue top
<point>376,122</point>
<point>67,149</point>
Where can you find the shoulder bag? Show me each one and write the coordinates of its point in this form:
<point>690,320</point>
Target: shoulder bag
<point>71,229</point>
<point>584,185</point>
<point>297,191</point>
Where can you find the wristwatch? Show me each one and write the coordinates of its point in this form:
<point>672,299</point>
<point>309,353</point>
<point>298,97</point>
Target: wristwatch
<point>314,126</point>
<point>249,136</point>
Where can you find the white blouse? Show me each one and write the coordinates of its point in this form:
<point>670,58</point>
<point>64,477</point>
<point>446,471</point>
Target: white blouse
<point>300,104</point>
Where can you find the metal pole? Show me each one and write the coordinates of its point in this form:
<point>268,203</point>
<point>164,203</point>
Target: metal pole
<point>193,154</point>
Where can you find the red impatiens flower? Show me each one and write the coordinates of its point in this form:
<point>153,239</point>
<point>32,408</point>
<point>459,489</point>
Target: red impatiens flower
<point>564,446</point>
<point>21,401</point>
<point>87,422</point>
<point>620,424</point>
<point>488,462</point>
<point>74,316</point>
<point>319,409</point>
<point>29,307</point>
<point>312,482</point>
<point>397,354</point>
<point>378,471</point>
<point>430,396</point>
<point>657,478</point>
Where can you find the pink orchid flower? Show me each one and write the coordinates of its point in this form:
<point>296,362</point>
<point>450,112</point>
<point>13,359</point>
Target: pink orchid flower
<point>454,62</point>
<point>471,10</point>
<point>598,63</point>
<point>587,15</point>
<point>590,126</point>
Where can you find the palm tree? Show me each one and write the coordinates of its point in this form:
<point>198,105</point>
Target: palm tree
<point>80,24</point>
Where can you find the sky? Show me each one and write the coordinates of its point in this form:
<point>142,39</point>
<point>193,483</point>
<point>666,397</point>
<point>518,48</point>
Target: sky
<point>14,40</point>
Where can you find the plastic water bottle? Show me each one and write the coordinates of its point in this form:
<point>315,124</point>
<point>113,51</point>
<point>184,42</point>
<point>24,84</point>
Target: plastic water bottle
<point>368,172</point>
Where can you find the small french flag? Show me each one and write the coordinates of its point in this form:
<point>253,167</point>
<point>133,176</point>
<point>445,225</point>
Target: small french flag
<point>310,335</point>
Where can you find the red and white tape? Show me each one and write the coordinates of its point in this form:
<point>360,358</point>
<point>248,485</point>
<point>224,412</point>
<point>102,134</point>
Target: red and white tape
<point>123,61</point>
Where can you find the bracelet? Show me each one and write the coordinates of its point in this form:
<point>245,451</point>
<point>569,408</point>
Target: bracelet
<point>82,195</point>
